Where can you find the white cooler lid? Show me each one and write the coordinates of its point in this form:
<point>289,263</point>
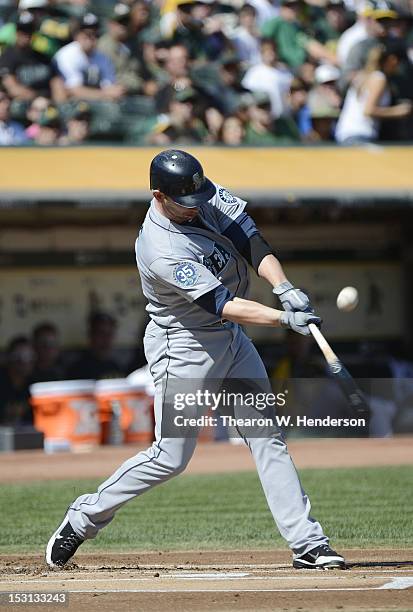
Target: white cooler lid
<point>62,387</point>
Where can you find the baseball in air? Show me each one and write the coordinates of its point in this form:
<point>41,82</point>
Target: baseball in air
<point>347,299</point>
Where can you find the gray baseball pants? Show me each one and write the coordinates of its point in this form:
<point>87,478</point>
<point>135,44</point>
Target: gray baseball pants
<point>218,352</point>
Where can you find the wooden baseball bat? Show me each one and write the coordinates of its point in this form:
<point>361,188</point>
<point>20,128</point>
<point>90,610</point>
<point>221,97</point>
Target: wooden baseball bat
<point>355,396</point>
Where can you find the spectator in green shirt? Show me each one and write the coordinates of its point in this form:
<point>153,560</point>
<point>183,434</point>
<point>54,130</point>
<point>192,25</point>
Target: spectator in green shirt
<point>260,129</point>
<point>330,22</point>
<point>294,44</point>
<point>113,45</point>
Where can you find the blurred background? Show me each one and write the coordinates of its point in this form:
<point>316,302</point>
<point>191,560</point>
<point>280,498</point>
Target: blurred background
<point>304,109</point>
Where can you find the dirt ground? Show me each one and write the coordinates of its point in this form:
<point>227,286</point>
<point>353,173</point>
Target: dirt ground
<point>236,580</point>
<point>375,580</point>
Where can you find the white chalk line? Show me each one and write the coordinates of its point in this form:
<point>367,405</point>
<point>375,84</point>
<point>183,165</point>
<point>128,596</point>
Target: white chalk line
<point>406,580</point>
<point>215,592</point>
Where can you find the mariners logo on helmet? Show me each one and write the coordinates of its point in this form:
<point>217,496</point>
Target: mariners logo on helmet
<point>198,179</point>
<point>186,274</point>
<point>226,196</point>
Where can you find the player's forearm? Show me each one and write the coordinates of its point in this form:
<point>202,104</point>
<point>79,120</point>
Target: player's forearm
<point>271,270</point>
<point>247,312</point>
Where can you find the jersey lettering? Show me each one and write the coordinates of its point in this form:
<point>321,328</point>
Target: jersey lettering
<point>218,259</point>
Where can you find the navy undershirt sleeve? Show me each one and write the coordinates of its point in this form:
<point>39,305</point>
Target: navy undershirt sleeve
<point>240,231</point>
<point>248,241</point>
<point>215,300</point>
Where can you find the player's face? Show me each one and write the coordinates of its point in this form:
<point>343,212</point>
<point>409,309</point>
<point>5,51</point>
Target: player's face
<point>173,211</point>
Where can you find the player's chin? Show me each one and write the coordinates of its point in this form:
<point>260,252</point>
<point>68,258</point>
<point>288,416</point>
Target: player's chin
<point>191,214</point>
<point>186,218</point>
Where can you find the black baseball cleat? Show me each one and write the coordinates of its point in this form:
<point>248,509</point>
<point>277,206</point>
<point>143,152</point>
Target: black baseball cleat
<point>62,545</point>
<point>321,557</point>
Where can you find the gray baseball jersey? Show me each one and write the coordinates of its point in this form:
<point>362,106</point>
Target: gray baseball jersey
<point>178,264</point>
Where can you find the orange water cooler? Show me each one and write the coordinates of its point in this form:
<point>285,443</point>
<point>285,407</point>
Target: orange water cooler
<point>67,414</point>
<point>125,412</point>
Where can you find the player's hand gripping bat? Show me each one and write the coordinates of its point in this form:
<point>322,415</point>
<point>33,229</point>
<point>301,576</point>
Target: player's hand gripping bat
<point>357,402</point>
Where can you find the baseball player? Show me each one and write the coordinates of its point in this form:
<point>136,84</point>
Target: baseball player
<point>193,253</point>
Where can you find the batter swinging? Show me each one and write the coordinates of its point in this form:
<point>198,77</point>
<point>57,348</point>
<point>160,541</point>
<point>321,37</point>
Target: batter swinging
<point>193,253</point>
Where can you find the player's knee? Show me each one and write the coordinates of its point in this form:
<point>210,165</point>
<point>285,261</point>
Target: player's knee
<point>179,463</point>
<point>176,457</point>
<point>179,467</point>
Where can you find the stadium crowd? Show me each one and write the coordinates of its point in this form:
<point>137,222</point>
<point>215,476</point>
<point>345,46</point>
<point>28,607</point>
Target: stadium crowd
<point>222,72</point>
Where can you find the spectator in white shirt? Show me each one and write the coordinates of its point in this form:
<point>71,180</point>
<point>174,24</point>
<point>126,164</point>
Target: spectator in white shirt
<point>88,73</point>
<point>368,100</point>
<point>270,77</point>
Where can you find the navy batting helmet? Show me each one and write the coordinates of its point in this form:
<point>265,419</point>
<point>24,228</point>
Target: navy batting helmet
<point>180,176</point>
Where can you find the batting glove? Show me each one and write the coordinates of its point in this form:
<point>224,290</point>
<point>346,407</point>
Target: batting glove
<point>292,299</point>
<point>299,321</point>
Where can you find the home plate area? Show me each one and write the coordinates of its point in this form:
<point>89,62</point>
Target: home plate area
<point>260,585</point>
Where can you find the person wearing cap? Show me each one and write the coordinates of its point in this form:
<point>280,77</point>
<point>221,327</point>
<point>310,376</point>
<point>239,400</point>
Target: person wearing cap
<point>26,73</point>
<point>379,17</point>
<point>88,73</point>
<point>350,37</point>
<point>224,85</point>
<point>324,116</point>
<point>114,45</point>
<point>52,27</point>
<point>325,92</point>
<point>193,252</point>
<point>50,128</point>
<point>194,24</point>
<point>8,30</point>
<point>293,42</point>
<point>180,124</point>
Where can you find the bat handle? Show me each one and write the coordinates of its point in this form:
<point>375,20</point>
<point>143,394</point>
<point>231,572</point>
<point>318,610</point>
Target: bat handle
<point>325,348</point>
